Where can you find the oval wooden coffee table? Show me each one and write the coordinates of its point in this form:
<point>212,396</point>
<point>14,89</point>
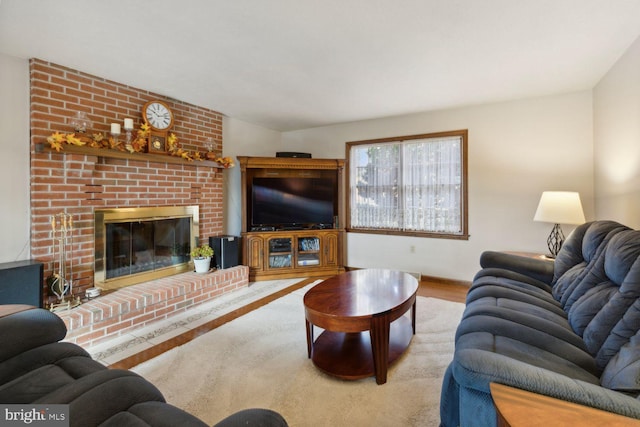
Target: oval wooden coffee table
<point>348,305</point>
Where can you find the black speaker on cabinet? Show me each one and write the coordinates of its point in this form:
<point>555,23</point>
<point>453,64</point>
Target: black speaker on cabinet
<point>226,251</point>
<point>293,154</point>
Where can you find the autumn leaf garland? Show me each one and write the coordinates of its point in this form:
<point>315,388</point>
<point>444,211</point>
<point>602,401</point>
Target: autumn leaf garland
<point>98,140</point>
<point>226,162</point>
<point>57,141</point>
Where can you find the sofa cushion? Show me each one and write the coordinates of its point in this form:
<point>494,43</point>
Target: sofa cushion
<point>253,417</point>
<point>579,265</point>
<point>49,354</point>
<point>622,373</point>
<point>41,370</point>
<point>526,305</point>
<point>604,316</point>
<point>504,293</point>
<point>34,384</point>
<point>557,327</point>
<point>535,269</point>
<point>95,398</point>
<point>570,254</point>
<point>583,312</point>
<point>511,280</point>
<point>526,344</point>
<point>499,274</point>
<point>153,414</point>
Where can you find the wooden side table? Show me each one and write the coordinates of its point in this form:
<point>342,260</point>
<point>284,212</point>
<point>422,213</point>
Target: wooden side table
<point>9,309</point>
<point>533,255</point>
<point>520,408</point>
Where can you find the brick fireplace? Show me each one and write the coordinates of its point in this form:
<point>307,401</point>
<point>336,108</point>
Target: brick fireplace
<point>78,184</point>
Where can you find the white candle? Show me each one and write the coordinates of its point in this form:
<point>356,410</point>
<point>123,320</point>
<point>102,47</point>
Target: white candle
<point>128,124</point>
<point>115,128</point>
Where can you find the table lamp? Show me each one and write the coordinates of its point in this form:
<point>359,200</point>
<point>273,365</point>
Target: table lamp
<point>559,207</point>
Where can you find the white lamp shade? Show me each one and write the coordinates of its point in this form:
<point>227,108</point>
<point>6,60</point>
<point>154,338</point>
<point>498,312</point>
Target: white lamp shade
<point>560,207</point>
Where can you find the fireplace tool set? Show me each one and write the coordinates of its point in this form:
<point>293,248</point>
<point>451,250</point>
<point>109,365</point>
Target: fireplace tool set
<point>59,282</point>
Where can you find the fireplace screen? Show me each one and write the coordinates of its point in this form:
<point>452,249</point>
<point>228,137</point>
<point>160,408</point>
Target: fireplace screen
<point>138,244</point>
<point>136,247</point>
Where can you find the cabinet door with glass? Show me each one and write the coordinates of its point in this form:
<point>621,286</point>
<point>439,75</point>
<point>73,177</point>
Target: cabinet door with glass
<point>280,250</point>
<point>308,253</point>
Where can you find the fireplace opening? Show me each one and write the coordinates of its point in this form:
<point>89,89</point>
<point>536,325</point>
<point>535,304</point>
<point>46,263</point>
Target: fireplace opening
<point>136,247</point>
<point>133,245</point>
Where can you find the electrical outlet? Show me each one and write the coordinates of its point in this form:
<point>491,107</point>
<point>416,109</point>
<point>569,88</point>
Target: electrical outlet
<point>412,249</point>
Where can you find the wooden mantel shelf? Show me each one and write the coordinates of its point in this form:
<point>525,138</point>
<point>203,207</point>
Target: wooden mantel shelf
<point>116,154</point>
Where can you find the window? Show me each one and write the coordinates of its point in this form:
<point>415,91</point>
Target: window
<point>411,185</point>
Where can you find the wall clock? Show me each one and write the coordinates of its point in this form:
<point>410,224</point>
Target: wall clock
<point>159,117</point>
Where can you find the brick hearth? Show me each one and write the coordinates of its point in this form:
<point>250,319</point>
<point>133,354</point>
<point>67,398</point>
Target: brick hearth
<point>136,306</point>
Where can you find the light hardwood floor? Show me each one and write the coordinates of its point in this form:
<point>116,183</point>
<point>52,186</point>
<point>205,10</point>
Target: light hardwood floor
<point>429,287</point>
<point>449,290</point>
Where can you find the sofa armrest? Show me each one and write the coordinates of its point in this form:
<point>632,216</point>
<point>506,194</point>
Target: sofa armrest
<point>538,269</point>
<point>27,329</point>
<point>476,369</point>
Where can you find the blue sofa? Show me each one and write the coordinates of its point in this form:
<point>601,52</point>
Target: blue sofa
<point>568,329</point>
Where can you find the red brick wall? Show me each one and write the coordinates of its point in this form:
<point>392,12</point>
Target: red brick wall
<point>77,184</point>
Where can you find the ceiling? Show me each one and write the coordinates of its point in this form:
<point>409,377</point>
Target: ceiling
<point>295,64</point>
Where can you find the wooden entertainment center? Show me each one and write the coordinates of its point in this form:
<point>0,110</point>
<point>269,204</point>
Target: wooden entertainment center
<point>279,251</point>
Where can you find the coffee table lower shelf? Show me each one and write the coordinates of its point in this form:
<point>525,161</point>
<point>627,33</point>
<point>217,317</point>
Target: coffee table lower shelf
<point>349,355</point>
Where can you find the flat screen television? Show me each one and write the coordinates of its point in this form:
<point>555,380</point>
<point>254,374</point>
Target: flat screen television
<point>292,202</point>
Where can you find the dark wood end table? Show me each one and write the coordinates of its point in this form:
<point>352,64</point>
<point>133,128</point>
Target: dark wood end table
<point>362,314</point>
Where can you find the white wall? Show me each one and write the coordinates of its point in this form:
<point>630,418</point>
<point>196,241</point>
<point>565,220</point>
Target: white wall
<point>616,102</point>
<point>242,139</point>
<point>516,150</point>
<point>14,160</point>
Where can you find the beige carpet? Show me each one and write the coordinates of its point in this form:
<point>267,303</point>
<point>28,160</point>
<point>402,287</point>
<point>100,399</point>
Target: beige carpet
<point>260,360</point>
